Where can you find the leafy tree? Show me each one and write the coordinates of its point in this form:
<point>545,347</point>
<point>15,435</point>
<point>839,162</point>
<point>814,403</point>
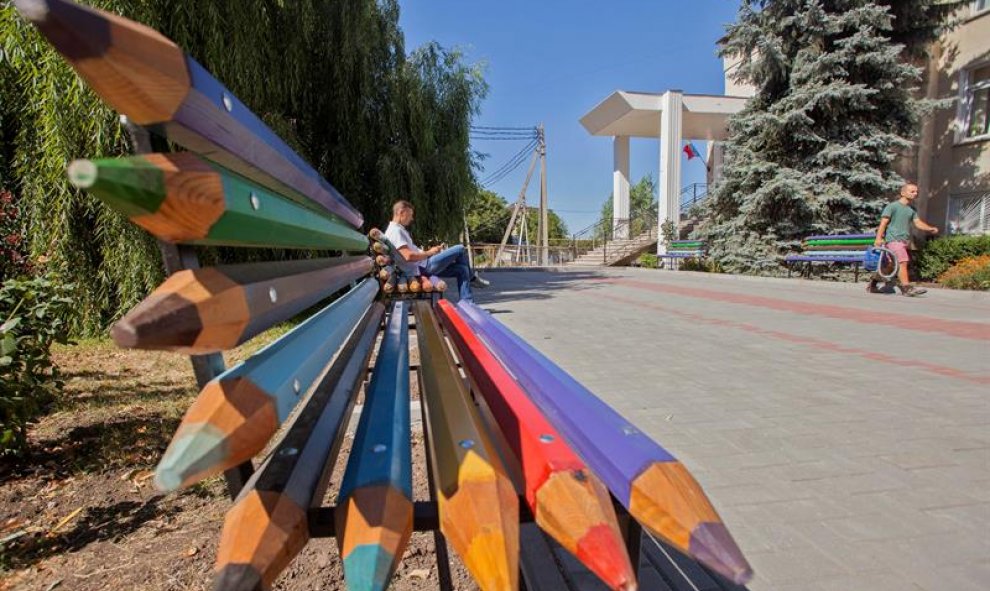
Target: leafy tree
<point>642,199</point>
<point>487,215</point>
<point>557,228</point>
<point>642,196</point>
<point>814,150</point>
<point>332,77</point>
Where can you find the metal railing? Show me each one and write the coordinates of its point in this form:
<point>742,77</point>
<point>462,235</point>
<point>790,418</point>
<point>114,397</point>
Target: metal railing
<point>692,195</point>
<point>617,238</point>
<point>560,252</point>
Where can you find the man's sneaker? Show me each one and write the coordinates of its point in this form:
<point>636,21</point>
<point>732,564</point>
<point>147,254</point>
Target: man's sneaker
<point>912,291</point>
<point>871,287</point>
<point>478,281</point>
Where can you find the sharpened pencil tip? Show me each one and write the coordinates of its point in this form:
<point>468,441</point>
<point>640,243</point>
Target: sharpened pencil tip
<point>124,334</point>
<point>713,545</point>
<point>238,576</point>
<point>191,457</point>
<point>35,11</point>
<point>83,173</point>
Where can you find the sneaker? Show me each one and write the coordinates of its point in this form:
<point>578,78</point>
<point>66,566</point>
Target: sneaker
<point>871,287</point>
<point>478,281</point>
<point>912,291</point>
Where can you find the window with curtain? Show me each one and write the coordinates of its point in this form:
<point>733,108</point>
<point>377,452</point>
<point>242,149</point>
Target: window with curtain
<point>969,214</point>
<point>977,102</point>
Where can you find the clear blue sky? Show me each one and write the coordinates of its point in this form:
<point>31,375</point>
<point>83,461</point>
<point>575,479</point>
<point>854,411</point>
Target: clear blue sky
<point>551,61</point>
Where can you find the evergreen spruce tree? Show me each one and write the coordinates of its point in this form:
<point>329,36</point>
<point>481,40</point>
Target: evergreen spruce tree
<point>814,150</point>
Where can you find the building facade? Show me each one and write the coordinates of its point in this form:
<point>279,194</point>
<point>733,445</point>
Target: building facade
<point>952,162</point>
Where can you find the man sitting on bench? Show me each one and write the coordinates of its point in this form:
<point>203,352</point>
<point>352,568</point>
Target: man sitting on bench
<point>439,261</point>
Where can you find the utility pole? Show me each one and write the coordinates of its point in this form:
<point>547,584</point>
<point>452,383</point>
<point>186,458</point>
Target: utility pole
<point>520,201</point>
<point>467,240</point>
<point>543,235</point>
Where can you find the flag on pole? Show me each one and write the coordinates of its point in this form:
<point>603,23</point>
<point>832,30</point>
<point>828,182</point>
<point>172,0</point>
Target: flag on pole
<point>693,153</point>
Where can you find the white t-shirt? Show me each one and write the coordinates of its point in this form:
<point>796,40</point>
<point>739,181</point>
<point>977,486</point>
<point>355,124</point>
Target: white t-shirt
<point>399,237</point>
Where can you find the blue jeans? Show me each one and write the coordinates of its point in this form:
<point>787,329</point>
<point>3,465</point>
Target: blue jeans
<point>452,262</point>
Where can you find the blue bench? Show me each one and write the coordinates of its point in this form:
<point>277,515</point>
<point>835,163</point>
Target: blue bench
<point>681,250</point>
<point>849,249</point>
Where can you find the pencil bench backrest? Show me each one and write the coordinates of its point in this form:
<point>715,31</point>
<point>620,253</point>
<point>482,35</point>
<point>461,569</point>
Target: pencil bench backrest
<point>237,184</point>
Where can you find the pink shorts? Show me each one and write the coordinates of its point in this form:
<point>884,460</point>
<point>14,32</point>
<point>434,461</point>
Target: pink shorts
<point>900,249</point>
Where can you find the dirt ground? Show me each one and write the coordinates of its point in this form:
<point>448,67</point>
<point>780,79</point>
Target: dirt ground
<point>80,512</point>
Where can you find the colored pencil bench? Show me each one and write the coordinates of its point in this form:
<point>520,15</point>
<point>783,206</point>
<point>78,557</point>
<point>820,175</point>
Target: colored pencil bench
<point>682,250</point>
<point>518,451</point>
<point>841,249</point>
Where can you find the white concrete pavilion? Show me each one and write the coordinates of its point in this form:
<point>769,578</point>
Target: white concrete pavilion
<point>672,117</point>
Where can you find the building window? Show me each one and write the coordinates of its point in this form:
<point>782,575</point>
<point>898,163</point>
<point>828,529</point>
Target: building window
<point>980,5</point>
<point>976,102</point>
<point>969,214</point>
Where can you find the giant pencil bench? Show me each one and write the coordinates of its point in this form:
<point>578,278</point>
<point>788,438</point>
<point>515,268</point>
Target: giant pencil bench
<point>530,448</point>
<point>834,249</point>
<point>682,250</point>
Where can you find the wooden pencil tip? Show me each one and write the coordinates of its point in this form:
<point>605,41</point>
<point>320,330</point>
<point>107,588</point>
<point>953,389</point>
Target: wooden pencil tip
<point>192,456</point>
<point>602,550</point>
<point>83,173</point>
<point>369,567</point>
<point>124,334</point>
<point>713,545</point>
<point>35,11</point>
<point>242,577</point>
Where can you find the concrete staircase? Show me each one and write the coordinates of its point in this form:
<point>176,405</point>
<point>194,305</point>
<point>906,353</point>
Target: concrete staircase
<point>618,252</point>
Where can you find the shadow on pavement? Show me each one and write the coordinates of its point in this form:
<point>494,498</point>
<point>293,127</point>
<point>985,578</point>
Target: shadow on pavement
<point>533,285</point>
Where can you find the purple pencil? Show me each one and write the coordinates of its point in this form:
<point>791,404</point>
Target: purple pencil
<point>651,483</point>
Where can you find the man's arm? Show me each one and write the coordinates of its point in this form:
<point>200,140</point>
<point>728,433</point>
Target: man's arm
<point>412,257</point>
<point>881,231</point>
<point>918,223</point>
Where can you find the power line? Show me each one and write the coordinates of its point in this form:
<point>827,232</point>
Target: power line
<point>503,136</point>
<point>514,162</point>
<point>501,128</point>
<point>507,170</point>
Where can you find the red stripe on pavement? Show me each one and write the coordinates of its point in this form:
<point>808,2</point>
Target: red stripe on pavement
<point>942,370</point>
<point>953,328</point>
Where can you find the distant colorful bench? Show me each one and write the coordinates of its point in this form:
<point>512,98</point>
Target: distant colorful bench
<point>833,249</point>
<point>682,250</point>
<point>587,477</point>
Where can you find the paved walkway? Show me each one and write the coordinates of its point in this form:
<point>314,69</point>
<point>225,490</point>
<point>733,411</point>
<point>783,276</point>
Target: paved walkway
<point>844,437</point>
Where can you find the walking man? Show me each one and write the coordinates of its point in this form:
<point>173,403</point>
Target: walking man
<point>895,232</point>
<point>439,261</point>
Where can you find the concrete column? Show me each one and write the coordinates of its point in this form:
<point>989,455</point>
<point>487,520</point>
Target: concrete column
<point>620,187</point>
<point>671,118</point>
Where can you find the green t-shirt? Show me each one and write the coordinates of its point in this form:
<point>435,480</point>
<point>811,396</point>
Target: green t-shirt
<point>901,218</point>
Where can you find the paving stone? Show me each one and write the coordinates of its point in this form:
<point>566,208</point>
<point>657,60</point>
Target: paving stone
<point>844,452</point>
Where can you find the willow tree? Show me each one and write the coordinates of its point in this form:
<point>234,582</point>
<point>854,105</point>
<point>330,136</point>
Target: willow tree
<point>815,150</point>
<point>330,76</point>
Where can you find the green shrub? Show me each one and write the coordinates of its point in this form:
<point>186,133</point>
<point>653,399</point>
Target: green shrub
<point>648,260</point>
<point>701,265</point>
<point>33,313</point>
<point>943,253</point>
<point>969,273</point>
